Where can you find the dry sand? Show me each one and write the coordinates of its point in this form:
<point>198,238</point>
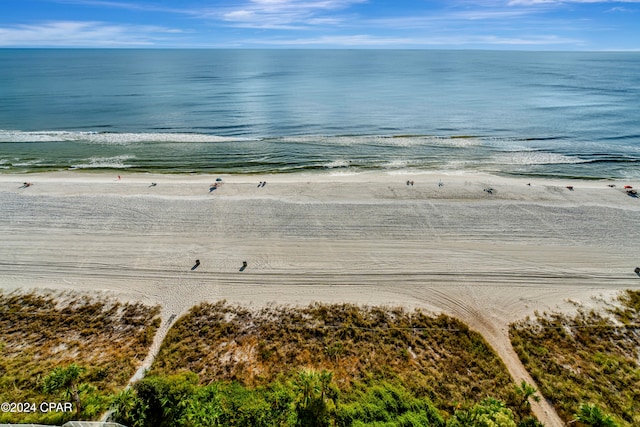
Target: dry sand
<point>486,258</point>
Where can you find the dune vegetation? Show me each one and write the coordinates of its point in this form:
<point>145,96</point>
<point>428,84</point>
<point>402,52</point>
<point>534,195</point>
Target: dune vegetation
<point>73,349</point>
<point>587,365</point>
<point>320,365</point>
<point>323,365</point>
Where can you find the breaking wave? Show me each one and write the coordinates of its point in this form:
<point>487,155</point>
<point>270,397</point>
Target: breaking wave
<point>110,138</point>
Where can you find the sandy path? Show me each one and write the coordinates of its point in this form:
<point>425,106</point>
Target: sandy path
<point>488,259</point>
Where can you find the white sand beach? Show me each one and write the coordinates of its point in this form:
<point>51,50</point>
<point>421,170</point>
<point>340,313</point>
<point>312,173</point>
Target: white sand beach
<point>488,258</point>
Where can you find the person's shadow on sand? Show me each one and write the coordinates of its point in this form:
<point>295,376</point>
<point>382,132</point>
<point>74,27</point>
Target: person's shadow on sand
<point>195,265</point>
<point>244,266</point>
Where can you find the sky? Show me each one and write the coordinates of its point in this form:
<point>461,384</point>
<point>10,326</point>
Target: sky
<point>349,24</point>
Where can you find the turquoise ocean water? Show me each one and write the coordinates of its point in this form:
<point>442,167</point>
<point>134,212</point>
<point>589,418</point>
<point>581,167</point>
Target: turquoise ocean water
<point>556,114</point>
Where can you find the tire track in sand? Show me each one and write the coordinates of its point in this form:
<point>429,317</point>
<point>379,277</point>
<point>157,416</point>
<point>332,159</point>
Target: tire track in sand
<point>461,304</point>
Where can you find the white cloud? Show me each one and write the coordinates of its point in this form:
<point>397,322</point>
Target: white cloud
<point>269,2</point>
<point>531,2</point>
<point>443,19</point>
<point>364,40</point>
<point>239,15</point>
<point>536,2</point>
<point>81,34</point>
<point>143,7</point>
<point>621,9</point>
<point>283,13</point>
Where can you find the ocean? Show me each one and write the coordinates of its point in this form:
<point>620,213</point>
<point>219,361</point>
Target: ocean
<point>542,114</point>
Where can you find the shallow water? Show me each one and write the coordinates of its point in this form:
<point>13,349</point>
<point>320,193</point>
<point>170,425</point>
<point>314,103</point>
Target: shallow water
<point>344,111</point>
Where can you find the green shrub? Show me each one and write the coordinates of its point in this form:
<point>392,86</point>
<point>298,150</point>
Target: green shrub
<point>590,357</point>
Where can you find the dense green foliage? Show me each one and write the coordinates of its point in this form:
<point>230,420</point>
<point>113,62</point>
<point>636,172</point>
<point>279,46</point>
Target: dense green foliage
<point>388,404</point>
<point>586,361</point>
<point>593,416</point>
<point>79,351</point>
<point>307,399</point>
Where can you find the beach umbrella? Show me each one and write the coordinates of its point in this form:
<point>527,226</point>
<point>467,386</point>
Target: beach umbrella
<point>628,186</point>
<point>218,179</point>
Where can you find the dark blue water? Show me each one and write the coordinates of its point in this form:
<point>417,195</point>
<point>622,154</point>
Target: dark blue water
<point>247,111</point>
